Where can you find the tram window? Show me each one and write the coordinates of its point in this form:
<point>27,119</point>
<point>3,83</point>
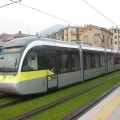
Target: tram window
<point>102,60</point>
<point>25,66</point>
<point>110,59</point>
<point>92,60</point>
<point>50,63</point>
<point>97,60</point>
<point>41,62</point>
<point>69,62</point>
<point>63,62</point>
<point>86,62</point>
<point>117,58</point>
<point>29,63</point>
<point>75,62</point>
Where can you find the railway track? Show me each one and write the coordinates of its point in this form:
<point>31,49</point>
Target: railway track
<point>18,101</point>
<point>78,113</point>
<point>39,110</point>
<point>13,102</point>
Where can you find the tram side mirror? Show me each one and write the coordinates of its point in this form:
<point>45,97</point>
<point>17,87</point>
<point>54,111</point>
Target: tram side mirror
<point>32,56</point>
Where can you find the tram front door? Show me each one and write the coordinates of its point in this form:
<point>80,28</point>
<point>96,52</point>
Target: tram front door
<point>51,72</point>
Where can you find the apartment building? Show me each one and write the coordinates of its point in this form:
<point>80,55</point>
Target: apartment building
<point>97,36</point>
<point>116,38</point>
<point>70,33</point>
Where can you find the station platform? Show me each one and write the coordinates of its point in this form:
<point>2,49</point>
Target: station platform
<point>107,109</point>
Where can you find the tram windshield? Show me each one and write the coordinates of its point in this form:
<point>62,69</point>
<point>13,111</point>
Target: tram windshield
<point>9,62</point>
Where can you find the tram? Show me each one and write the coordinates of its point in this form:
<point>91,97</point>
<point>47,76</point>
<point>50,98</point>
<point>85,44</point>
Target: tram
<point>32,65</point>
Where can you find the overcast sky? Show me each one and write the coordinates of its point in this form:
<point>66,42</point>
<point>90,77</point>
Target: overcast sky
<point>15,17</point>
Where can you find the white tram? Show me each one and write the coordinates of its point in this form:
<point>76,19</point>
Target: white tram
<point>33,65</point>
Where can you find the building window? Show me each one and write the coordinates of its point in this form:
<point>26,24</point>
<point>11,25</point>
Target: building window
<point>85,39</point>
<point>111,41</point>
<point>77,37</point>
<point>107,40</point>
<point>96,37</point>
<point>115,36</point>
<point>72,32</point>
<point>115,42</point>
<point>103,40</point>
<point>77,30</point>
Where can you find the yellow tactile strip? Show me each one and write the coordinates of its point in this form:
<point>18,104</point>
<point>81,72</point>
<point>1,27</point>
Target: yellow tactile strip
<point>105,112</point>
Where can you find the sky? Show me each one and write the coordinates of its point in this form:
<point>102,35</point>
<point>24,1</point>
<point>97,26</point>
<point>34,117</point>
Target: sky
<point>15,17</point>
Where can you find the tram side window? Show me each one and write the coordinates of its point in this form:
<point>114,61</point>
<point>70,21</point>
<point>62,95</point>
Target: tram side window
<point>69,62</point>
<point>110,60</point>
<point>75,62</point>
<point>92,60</point>
<point>50,63</point>
<point>116,58</point>
<point>30,62</point>
<point>41,62</point>
<point>102,60</point>
<point>97,60</point>
<point>86,60</point>
<point>63,62</point>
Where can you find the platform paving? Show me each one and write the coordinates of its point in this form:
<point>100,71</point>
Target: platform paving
<point>107,109</point>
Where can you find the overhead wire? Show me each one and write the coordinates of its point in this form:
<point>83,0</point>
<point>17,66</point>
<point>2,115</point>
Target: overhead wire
<point>10,3</point>
<point>46,13</point>
<point>99,12</point>
<point>64,19</point>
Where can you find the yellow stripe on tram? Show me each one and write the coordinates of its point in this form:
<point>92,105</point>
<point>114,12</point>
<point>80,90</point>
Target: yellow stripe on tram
<point>25,76</point>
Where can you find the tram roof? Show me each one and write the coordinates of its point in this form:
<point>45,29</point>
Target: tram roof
<point>110,50</point>
<point>92,48</point>
<point>24,41</point>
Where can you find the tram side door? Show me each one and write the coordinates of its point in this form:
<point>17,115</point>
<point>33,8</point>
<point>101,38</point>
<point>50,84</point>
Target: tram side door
<point>51,72</point>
